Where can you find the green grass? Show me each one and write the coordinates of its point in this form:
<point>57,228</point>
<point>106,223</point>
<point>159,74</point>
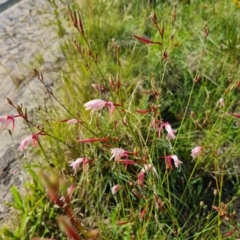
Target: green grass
<point>184,91</point>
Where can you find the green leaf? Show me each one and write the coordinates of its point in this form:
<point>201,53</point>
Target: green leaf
<point>17,199</point>
<point>8,235</point>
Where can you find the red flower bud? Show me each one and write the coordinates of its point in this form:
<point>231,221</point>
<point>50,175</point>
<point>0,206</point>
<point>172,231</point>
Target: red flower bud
<point>146,40</point>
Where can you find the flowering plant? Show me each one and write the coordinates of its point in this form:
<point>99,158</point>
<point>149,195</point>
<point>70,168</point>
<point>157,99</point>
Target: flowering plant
<point>134,147</point>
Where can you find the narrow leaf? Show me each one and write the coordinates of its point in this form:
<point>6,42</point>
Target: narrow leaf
<point>17,198</point>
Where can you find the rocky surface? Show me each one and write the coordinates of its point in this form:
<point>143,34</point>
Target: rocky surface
<point>24,42</point>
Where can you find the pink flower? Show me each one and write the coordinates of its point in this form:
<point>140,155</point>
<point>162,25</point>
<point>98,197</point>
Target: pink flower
<point>98,104</point>
<point>175,159</point>
<point>146,168</point>
<point>149,167</point>
<point>115,188</point>
<point>76,164</point>
<point>170,131</point>
<point>118,153</point>
<point>177,162</point>
<point>196,151</point>
<point>72,121</point>
<point>140,179</point>
<point>8,120</point>
<point>24,143</point>
<point>33,138</point>
<point>158,125</point>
